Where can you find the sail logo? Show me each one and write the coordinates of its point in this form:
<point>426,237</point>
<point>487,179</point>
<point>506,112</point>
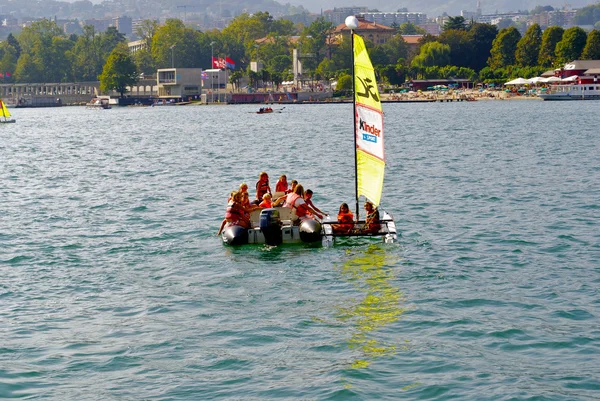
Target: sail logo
<point>368,89</point>
<point>370,131</point>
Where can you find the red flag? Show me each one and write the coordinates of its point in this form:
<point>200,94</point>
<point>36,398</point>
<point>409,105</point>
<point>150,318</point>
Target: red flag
<point>1,75</point>
<point>218,62</point>
<point>7,74</point>
<point>230,63</point>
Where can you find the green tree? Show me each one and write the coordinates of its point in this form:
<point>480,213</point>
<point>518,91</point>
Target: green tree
<point>317,34</point>
<point>144,62</point>
<point>571,46</point>
<point>455,23</point>
<point>40,31</point>
<point>11,40</point>
<point>27,70</point>
<point>504,48</point>
<point>108,40</point>
<point>235,78</point>
<point>344,82</point>
<point>395,74</point>
<point>528,47</point>
<point>342,56</point>
<point>460,46</point>
<point>551,36</point>
<point>119,72</point>
<point>395,48</point>
<point>86,56</point>
<point>146,30</point>
<point>591,51</point>
<point>432,54</point>
<point>326,69</point>
<point>56,60</point>
<point>408,28</point>
<point>481,37</point>
<point>173,43</point>
<point>8,57</point>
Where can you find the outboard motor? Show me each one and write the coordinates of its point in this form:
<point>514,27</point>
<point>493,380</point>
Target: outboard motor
<point>310,231</point>
<point>270,226</point>
<point>235,235</point>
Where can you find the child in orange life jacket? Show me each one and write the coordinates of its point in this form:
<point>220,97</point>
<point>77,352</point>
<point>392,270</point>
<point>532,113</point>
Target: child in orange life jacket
<point>282,184</point>
<point>236,213</point>
<point>346,219</point>
<point>262,187</point>
<point>266,202</point>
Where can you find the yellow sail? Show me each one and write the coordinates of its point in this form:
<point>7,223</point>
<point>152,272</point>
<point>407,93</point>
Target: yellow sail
<point>5,112</point>
<point>370,155</point>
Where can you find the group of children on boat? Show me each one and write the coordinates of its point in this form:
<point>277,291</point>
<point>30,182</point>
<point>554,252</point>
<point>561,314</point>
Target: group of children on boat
<point>295,197</point>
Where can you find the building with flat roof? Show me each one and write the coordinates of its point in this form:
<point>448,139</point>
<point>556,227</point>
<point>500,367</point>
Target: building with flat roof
<point>398,18</point>
<point>179,83</point>
<point>123,24</point>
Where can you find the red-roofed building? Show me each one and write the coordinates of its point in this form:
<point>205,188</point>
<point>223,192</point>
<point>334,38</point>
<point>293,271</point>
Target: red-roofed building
<point>376,33</point>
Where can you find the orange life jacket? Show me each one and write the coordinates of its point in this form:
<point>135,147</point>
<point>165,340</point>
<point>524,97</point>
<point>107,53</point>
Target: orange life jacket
<point>261,189</point>
<point>290,201</point>
<point>266,203</point>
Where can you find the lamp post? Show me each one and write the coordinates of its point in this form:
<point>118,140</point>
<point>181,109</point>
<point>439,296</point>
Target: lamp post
<point>212,86</point>
<point>172,56</point>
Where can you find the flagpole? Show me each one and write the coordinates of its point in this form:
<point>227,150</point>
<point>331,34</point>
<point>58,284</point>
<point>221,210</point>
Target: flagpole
<point>352,23</point>
<point>212,61</point>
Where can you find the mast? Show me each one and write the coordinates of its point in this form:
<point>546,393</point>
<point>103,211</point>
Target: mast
<point>352,23</point>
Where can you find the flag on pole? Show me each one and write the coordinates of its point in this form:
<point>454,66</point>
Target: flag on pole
<point>218,62</point>
<point>1,75</point>
<point>7,74</point>
<point>230,63</point>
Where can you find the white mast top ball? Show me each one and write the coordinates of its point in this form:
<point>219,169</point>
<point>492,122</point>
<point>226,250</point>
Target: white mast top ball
<point>351,22</point>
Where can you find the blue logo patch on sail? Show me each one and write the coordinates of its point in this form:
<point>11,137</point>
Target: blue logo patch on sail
<point>369,138</point>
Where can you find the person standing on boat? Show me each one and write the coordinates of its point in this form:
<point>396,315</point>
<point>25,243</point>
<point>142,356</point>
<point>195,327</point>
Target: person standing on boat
<point>308,199</point>
<point>262,187</point>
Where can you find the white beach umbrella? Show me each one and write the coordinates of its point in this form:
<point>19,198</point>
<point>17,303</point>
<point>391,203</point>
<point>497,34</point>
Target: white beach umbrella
<point>536,80</point>
<point>518,81</point>
<point>553,79</point>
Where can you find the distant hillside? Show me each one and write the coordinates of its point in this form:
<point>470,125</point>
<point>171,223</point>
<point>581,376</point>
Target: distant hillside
<point>435,8</point>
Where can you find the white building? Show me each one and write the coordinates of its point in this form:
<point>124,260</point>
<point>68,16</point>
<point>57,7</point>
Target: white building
<point>179,83</point>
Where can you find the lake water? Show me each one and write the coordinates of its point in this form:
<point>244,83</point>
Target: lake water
<point>114,286</point>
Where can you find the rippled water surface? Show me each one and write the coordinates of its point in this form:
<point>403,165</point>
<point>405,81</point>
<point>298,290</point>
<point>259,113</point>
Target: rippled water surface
<point>114,286</point>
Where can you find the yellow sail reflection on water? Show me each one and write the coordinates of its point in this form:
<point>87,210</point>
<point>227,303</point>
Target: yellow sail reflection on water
<point>380,306</point>
<point>370,155</point>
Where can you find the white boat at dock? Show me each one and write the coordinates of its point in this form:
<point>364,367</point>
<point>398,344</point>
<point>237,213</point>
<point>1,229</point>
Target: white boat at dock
<point>572,92</point>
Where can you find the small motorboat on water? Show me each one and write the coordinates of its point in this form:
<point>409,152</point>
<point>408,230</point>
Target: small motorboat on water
<point>265,110</point>
<point>275,226</point>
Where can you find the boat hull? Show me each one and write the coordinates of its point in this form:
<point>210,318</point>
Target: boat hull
<point>308,233</point>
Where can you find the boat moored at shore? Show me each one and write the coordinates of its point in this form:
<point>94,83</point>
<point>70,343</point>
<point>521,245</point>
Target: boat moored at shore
<point>572,92</point>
